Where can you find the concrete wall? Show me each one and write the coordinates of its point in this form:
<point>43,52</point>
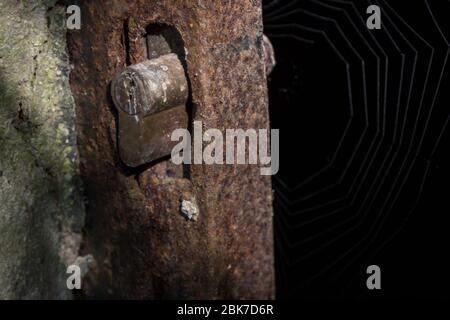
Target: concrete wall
<point>41,207</point>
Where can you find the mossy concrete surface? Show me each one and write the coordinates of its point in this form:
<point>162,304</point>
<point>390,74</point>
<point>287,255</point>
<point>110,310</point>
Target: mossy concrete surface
<point>41,207</point>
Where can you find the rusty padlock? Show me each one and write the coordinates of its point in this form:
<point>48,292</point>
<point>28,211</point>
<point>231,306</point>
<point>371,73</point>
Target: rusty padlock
<point>151,100</point>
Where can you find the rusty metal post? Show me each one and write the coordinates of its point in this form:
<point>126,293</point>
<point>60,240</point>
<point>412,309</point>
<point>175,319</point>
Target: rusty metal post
<point>143,244</point>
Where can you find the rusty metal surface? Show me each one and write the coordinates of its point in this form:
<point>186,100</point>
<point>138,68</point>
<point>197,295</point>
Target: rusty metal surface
<point>144,246</point>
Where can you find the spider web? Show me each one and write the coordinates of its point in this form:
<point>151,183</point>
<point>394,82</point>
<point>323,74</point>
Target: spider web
<point>385,151</point>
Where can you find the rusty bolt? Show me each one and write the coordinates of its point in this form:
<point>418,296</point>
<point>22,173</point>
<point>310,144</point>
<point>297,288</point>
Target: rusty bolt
<point>269,55</point>
<point>150,97</point>
<point>151,86</point>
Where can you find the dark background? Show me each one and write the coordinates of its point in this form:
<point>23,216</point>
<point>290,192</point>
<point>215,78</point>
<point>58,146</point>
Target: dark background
<point>364,162</point>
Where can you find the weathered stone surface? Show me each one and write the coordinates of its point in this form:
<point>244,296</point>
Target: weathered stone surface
<point>143,244</point>
<point>41,210</point>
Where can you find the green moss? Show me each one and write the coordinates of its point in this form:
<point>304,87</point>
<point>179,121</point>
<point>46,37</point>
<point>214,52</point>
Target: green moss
<point>40,197</point>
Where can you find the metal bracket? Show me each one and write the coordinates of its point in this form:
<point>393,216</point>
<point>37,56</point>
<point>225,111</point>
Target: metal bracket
<point>151,100</point>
